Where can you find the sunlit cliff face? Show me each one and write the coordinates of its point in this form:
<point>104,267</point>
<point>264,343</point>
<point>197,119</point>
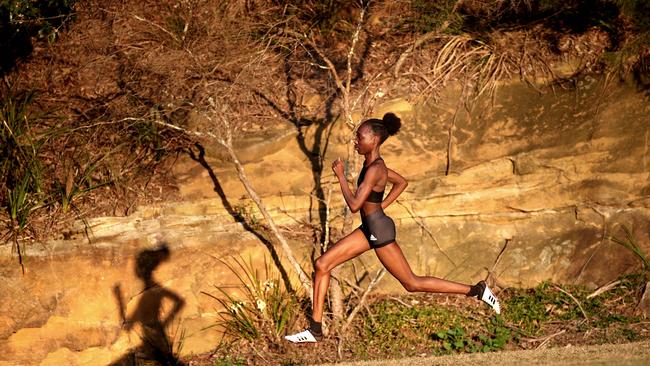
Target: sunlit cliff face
<point>547,174</point>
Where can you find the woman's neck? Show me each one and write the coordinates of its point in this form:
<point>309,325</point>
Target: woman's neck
<point>371,157</point>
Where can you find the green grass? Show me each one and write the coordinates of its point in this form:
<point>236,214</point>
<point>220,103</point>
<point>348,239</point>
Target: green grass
<point>428,324</point>
<point>77,184</point>
<point>47,164</point>
<point>229,362</point>
<point>20,167</point>
<point>395,328</point>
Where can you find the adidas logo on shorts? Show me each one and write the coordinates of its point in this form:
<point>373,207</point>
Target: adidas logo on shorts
<point>372,237</point>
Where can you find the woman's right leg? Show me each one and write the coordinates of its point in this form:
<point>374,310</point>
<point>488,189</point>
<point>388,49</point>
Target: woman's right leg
<point>345,249</point>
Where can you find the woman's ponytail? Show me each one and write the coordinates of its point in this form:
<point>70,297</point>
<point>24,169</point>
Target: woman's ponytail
<point>392,123</point>
<point>387,126</point>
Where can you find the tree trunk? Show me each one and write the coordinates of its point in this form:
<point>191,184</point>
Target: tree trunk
<point>304,279</point>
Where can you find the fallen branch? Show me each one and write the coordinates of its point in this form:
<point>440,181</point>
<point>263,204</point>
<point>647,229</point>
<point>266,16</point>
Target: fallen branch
<point>361,303</point>
<point>544,339</point>
<point>159,27</point>
<point>353,285</point>
<point>604,288</point>
<point>574,299</point>
<point>550,337</point>
<point>397,299</point>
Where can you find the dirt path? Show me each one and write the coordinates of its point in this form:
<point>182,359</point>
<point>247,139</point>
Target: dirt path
<point>631,354</point>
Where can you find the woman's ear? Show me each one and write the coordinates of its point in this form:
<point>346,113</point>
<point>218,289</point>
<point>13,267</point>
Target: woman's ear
<point>377,139</point>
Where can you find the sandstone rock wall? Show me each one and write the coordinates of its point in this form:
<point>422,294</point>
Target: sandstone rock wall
<point>539,181</point>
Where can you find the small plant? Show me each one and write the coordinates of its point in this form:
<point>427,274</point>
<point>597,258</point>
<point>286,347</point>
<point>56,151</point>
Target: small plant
<point>18,149</point>
<point>76,185</point>
<point>244,212</point>
<point>20,202</point>
<point>147,135</point>
<point>527,309</point>
<point>455,340</point>
<point>629,242</point>
<point>20,167</point>
<point>177,340</point>
<point>497,338</point>
<point>43,19</point>
<point>431,15</point>
<point>227,361</point>
<point>264,308</point>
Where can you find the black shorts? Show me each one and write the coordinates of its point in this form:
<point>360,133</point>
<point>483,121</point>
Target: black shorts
<point>378,228</point>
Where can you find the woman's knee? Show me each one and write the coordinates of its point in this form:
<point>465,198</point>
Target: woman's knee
<point>411,284</point>
<point>321,265</point>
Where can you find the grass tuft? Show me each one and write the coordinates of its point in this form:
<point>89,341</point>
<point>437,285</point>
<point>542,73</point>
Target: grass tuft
<point>259,306</point>
<point>629,241</point>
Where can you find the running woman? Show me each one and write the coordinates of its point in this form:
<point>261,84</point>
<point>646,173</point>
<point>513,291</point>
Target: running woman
<point>377,231</point>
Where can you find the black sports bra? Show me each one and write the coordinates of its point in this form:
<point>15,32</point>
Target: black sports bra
<point>374,197</point>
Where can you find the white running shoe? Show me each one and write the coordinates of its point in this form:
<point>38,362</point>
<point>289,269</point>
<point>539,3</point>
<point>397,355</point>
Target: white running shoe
<point>303,337</point>
<point>488,297</point>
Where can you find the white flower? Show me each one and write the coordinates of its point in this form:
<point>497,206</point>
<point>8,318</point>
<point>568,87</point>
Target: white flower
<point>261,305</point>
<point>234,308</point>
<point>268,285</point>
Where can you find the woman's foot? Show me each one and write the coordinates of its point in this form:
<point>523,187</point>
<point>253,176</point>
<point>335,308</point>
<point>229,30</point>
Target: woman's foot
<point>483,292</point>
<point>306,336</point>
<point>310,335</point>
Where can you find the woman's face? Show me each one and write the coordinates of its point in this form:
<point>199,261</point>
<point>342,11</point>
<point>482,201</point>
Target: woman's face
<point>365,140</point>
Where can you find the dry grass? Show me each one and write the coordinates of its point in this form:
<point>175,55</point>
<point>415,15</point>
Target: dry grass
<point>123,65</point>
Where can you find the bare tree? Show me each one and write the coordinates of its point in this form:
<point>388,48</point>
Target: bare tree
<point>351,99</point>
<point>219,116</point>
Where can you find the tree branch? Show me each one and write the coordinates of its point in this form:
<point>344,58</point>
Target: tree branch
<point>380,274</point>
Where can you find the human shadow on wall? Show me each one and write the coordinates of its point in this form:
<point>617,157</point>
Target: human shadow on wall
<point>199,157</point>
<point>149,313</point>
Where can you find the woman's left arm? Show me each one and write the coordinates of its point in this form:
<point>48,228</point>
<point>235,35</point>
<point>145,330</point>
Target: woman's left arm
<point>399,184</point>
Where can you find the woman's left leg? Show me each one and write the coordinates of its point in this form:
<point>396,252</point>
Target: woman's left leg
<point>393,259</point>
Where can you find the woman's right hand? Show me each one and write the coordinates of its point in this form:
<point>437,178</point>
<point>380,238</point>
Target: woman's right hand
<point>338,167</point>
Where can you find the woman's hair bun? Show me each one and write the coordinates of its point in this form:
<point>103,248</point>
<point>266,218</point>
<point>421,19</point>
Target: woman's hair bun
<point>392,123</point>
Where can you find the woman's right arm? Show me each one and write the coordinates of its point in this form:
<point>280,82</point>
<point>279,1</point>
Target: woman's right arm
<point>355,200</point>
